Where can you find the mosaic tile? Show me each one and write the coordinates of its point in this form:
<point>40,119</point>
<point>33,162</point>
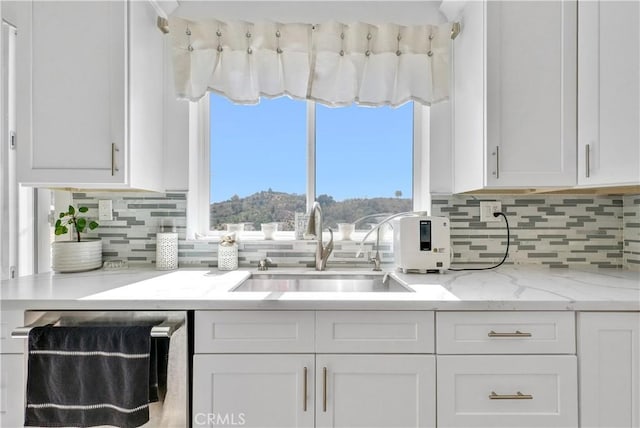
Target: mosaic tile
<point>576,230</point>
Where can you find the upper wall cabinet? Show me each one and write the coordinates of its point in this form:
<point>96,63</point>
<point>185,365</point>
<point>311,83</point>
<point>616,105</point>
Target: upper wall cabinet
<point>608,93</point>
<point>514,95</point>
<point>91,110</point>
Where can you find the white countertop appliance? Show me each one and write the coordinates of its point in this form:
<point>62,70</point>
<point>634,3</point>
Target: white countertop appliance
<point>421,243</point>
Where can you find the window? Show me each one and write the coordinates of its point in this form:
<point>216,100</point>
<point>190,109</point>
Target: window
<point>363,163</point>
<point>269,161</point>
<point>258,162</point>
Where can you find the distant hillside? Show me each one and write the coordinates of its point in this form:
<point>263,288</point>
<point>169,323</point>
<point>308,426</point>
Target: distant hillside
<point>269,206</point>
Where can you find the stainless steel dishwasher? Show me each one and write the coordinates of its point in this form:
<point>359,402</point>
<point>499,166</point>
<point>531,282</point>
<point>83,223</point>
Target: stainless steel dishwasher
<point>173,411</point>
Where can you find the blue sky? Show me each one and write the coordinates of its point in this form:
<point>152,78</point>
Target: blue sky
<point>360,152</point>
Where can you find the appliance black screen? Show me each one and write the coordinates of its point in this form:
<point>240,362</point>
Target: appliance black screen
<point>425,235</point>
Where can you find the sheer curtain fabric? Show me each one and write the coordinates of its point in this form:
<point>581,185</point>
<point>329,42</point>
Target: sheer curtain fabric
<point>332,63</point>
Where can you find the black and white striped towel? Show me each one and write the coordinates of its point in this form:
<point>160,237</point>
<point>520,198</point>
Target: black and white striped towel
<point>88,376</point>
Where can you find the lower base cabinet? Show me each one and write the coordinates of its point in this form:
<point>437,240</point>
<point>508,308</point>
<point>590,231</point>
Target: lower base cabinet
<point>609,353</point>
<point>508,391</point>
<point>12,390</point>
<point>375,391</point>
<point>380,369</point>
<point>309,390</point>
<point>253,391</point>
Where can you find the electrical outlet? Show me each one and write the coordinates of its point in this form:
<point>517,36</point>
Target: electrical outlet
<point>487,208</point>
<point>105,210</point>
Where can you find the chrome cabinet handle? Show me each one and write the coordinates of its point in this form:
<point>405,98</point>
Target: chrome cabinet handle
<point>114,149</point>
<point>304,395</point>
<point>587,159</point>
<point>517,333</point>
<point>497,155</point>
<point>324,389</point>
<point>517,396</point>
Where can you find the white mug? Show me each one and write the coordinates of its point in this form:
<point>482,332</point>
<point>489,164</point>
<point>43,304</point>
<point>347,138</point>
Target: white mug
<point>268,229</point>
<point>346,229</point>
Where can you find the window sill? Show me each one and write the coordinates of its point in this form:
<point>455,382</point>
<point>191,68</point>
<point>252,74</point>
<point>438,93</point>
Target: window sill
<point>246,236</point>
<point>257,236</point>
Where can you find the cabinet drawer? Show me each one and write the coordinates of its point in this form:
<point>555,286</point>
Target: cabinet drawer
<point>9,320</point>
<point>507,391</point>
<point>506,332</point>
<point>253,331</point>
<point>408,332</point>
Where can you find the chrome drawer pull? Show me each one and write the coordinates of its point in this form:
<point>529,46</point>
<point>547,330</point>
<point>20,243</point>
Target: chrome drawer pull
<point>324,389</point>
<point>518,396</point>
<point>587,156</point>
<point>517,333</point>
<point>114,168</point>
<point>304,387</point>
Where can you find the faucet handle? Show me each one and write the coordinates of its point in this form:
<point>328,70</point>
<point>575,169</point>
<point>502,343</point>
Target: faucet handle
<point>326,251</point>
<point>263,264</point>
<point>376,261</point>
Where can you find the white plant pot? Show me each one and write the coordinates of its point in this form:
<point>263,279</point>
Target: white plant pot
<point>74,256</point>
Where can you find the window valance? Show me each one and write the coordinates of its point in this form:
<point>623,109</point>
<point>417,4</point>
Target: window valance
<point>333,63</point>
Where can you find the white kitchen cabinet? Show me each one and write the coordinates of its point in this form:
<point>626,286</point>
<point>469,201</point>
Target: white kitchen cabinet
<point>91,114</point>
<point>375,391</point>
<point>507,391</point>
<point>497,381</point>
<point>504,332</point>
<point>608,93</point>
<point>381,378</point>
<point>514,92</point>
<point>368,332</point>
<point>609,356</point>
<point>293,390</point>
<point>254,331</point>
<point>9,320</point>
<point>12,396</point>
<point>12,371</point>
<point>253,390</point>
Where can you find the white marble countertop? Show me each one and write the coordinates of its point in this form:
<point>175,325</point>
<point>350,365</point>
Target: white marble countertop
<point>522,287</point>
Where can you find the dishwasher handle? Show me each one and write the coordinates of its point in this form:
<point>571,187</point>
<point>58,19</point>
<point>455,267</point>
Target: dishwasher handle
<point>164,329</point>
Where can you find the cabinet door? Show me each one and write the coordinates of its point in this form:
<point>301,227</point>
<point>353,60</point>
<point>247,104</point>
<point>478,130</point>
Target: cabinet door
<point>514,92</point>
<point>531,93</point>
<point>609,354</point>
<point>73,108</point>
<point>11,390</point>
<point>9,320</point>
<point>507,391</point>
<point>468,107</point>
<point>375,391</point>
<point>253,390</point>
<point>609,93</point>
<point>145,151</point>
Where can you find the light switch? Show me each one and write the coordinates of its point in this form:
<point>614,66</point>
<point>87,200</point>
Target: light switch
<point>105,210</point>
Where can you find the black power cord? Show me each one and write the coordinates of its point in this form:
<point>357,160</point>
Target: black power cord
<point>506,253</point>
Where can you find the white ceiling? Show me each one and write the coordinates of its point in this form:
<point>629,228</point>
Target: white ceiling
<point>313,11</point>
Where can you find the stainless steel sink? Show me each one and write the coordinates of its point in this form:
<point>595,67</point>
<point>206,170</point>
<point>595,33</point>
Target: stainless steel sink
<point>322,283</point>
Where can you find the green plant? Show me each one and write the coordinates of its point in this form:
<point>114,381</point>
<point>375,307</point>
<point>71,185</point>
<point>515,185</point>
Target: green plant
<point>79,223</point>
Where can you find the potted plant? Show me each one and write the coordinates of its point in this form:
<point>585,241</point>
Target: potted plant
<point>77,254</point>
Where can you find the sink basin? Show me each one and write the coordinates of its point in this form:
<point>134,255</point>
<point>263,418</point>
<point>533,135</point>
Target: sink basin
<point>322,283</point>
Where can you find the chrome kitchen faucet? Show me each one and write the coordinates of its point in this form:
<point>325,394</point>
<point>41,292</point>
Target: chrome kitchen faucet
<point>314,227</point>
